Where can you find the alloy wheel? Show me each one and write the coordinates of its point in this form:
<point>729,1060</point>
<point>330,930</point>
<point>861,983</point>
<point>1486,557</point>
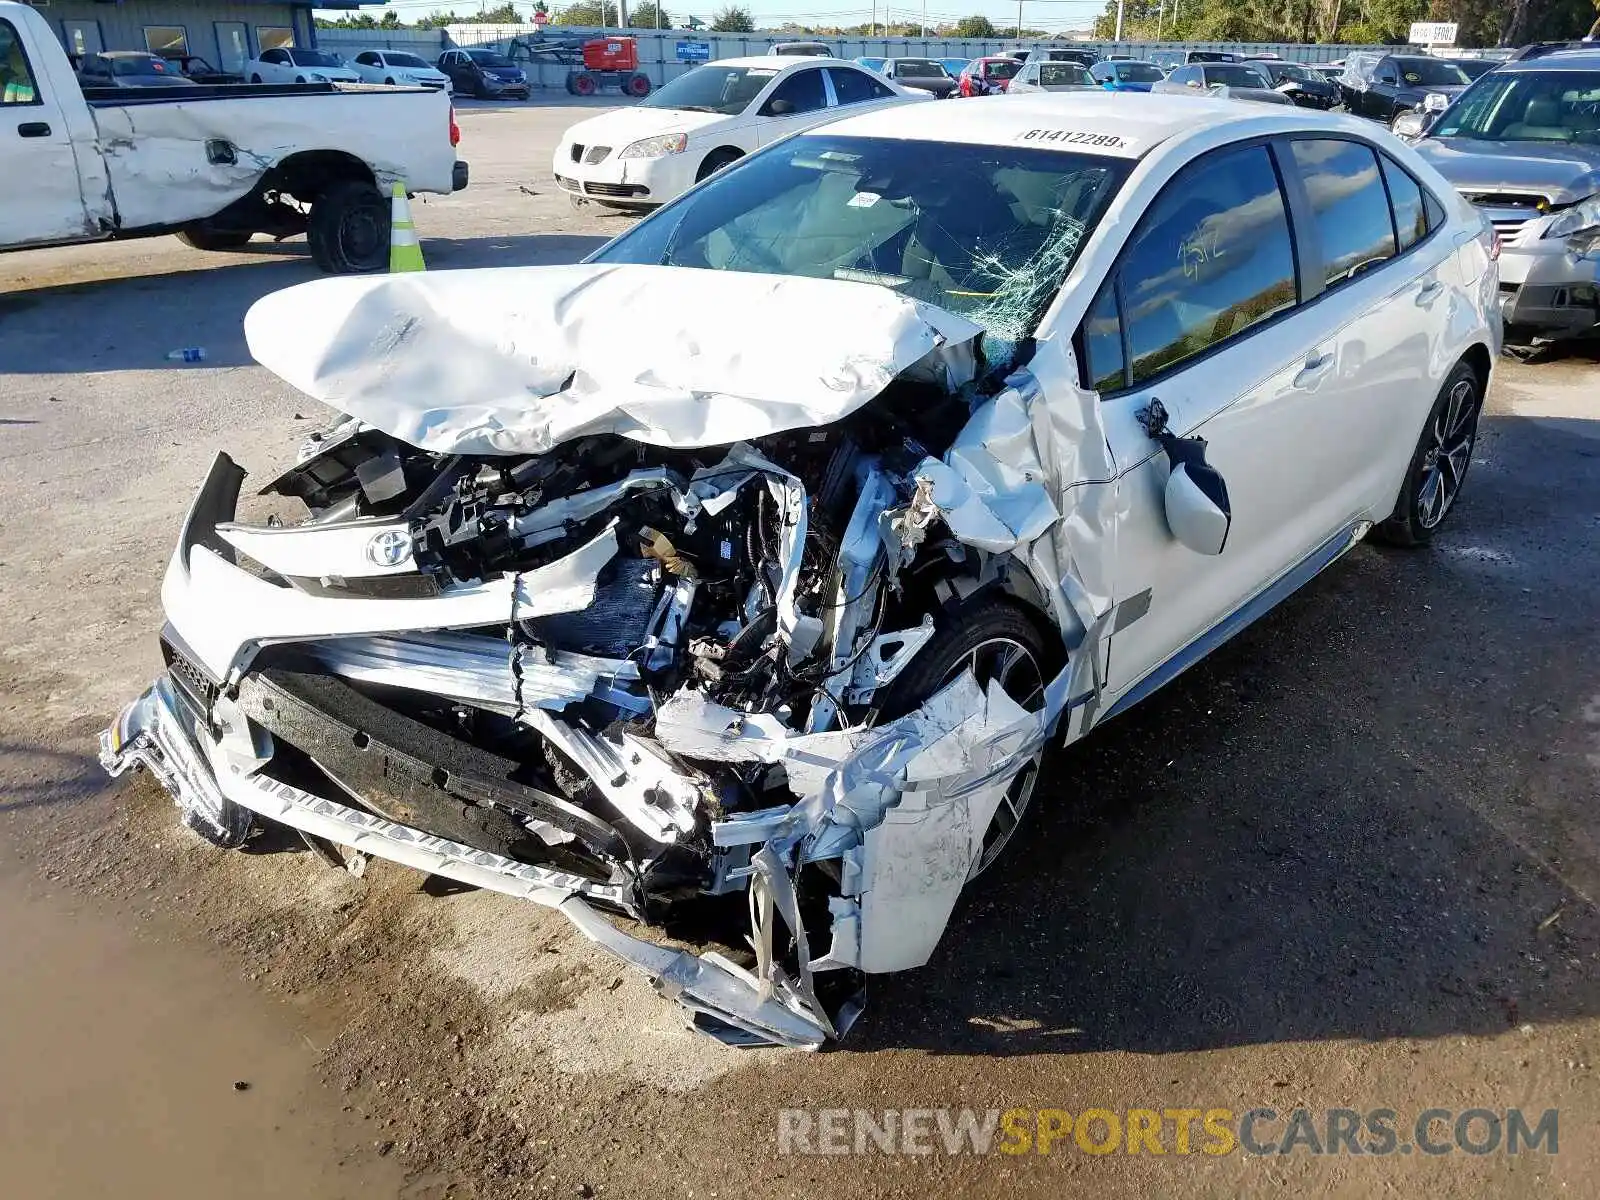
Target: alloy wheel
<point>1012,665</point>
<point>1444,462</point>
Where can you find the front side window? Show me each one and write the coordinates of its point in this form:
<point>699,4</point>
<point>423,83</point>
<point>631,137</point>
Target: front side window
<point>1185,75</point>
<point>409,61</point>
<point>712,89</point>
<point>1212,257</point>
<point>16,76</point>
<point>800,93</point>
<point>1349,204</point>
<point>990,235</point>
<point>1101,342</point>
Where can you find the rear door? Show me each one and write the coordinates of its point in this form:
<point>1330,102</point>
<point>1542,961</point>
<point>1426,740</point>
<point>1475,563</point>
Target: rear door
<point>41,196</point>
<point>1203,312</point>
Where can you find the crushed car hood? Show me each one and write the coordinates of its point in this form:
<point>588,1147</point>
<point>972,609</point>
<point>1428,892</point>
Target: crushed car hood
<point>518,360</point>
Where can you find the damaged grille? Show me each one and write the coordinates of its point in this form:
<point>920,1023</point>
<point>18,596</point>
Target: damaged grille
<point>193,684</point>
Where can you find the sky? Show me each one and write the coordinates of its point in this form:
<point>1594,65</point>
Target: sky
<point>1050,15</point>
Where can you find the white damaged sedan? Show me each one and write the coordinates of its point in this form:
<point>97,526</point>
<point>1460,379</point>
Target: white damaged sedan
<point>641,156</point>
<point>753,565</point>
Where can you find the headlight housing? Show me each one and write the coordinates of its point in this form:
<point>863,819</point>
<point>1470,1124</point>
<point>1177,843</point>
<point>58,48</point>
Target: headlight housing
<point>1581,216</point>
<point>657,147</point>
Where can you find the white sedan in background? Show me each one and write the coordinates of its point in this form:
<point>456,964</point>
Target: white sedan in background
<point>644,155</point>
<point>398,68</point>
<point>290,64</point>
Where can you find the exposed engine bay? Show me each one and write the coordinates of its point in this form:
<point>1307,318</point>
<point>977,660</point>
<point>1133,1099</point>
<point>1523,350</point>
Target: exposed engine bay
<point>806,676</point>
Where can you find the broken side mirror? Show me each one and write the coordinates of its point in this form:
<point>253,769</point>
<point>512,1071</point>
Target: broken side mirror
<point>1196,498</point>
<point>1435,103</point>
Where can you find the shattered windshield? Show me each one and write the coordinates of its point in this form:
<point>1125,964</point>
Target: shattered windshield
<point>1527,106</point>
<point>713,88</point>
<point>990,234</point>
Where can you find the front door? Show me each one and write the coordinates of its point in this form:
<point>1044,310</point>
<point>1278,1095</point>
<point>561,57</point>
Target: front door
<point>1203,313</point>
<point>798,102</point>
<point>40,195</point>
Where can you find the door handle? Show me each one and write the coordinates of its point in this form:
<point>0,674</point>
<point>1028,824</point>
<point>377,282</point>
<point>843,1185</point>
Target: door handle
<point>33,129</point>
<point>1316,366</point>
<point>1427,292</point>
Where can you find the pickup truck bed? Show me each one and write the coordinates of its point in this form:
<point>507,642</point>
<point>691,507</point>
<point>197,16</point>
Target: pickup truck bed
<point>213,164</point>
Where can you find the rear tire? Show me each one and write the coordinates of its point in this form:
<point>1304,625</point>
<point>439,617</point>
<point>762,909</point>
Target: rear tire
<point>1439,464</point>
<point>255,79</point>
<point>584,84</point>
<point>715,161</point>
<point>638,85</point>
<point>998,641</point>
<point>349,229</point>
<point>198,237</point>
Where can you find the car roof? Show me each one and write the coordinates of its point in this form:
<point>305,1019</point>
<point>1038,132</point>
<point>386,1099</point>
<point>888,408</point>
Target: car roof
<point>781,61</point>
<point>1138,121</point>
<point>127,54</point>
<point>1561,60</point>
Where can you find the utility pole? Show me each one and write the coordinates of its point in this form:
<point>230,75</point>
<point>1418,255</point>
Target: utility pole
<point>1161,19</point>
<point>1118,36</point>
<point>1019,20</point>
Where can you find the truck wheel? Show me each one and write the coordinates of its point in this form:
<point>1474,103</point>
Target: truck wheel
<point>584,84</point>
<point>349,229</point>
<point>199,237</point>
<point>638,84</point>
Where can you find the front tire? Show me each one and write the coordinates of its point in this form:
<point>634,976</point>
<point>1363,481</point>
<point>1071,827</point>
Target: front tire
<point>349,229</point>
<point>1439,464</point>
<point>997,642</point>
<point>715,161</point>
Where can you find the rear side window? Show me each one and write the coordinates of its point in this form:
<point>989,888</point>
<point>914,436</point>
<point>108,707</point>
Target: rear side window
<point>1348,204</point>
<point>856,87</point>
<point>1212,257</point>
<point>1405,198</point>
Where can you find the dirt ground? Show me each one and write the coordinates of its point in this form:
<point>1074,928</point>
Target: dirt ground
<point>1349,861</point>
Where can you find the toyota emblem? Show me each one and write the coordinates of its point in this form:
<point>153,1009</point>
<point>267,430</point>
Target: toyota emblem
<point>389,548</point>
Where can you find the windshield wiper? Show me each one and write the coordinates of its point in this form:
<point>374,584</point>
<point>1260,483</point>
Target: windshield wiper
<point>695,108</point>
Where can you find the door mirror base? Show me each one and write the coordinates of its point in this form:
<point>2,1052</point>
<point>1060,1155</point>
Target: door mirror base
<point>1196,497</point>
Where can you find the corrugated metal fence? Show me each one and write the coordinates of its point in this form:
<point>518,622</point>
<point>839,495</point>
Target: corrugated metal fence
<point>659,56</point>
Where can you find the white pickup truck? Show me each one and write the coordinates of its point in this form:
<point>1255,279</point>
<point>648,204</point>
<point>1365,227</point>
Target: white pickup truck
<point>213,165</point>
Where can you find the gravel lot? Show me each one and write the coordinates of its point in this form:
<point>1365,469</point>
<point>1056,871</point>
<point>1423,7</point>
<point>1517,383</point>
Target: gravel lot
<point>1349,861</point>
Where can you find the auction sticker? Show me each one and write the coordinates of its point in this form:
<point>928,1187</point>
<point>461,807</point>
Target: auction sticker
<point>1076,137</point>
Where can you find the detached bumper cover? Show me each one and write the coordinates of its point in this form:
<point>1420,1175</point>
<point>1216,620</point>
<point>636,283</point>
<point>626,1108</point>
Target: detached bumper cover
<point>155,731</point>
<point>1547,288</point>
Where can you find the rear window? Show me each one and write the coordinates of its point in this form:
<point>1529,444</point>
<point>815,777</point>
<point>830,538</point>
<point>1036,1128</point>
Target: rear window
<point>911,68</point>
<point>1002,68</point>
<point>1235,75</point>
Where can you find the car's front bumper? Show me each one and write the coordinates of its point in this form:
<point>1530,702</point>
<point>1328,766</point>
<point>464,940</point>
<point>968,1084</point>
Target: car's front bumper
<point>617,180</point>
<point>1548,289</point>
<point>160,732</point>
